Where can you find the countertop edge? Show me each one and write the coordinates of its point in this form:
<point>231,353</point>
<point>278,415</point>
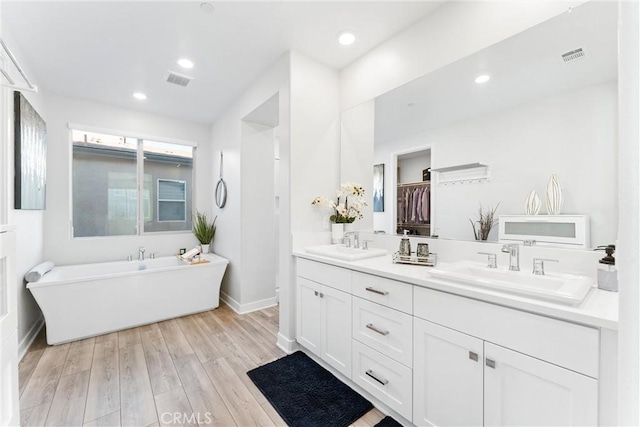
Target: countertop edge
<point>574,314</point>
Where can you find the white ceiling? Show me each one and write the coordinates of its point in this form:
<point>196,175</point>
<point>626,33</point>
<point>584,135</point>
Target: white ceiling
<point>105,50</point>
<point>523,68</point>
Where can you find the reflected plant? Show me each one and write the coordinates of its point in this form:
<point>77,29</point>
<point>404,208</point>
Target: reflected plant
<point>485,222</point>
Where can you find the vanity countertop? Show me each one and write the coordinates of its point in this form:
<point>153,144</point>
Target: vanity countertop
<point>599,308</point>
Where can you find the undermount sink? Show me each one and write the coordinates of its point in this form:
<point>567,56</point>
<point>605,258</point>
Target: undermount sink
<point>345,253</point>
<point>564,288</point>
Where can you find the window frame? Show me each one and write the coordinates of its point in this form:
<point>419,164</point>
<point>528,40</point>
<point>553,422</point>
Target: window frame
<point>158,200</point>
<point>140,178</point>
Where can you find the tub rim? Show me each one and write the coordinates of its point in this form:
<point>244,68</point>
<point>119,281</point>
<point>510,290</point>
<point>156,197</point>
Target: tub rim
<point>214,260</point>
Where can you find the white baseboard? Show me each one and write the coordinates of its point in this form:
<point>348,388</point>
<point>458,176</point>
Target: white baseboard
<point>287,345</point>
<point>26,342</point>
<point>249,307</point>
<point>233,304</point>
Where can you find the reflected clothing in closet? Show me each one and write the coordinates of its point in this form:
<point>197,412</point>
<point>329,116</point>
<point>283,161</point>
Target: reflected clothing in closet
<point>413,205</point>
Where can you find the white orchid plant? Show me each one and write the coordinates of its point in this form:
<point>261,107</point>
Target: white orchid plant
<point>348,205</point>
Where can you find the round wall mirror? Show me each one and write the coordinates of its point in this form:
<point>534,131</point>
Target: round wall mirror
<point>221,193</point>
<point>221,187</point>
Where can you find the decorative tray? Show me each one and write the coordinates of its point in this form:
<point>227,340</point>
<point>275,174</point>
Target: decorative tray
<point>428,261</point>
<point>193,261</point>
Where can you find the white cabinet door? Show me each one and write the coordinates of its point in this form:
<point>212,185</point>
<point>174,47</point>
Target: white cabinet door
<point>336,329</point>
<point>522,390</point>
<point>324,323</point>
<point>447,376</point>
<point>309,325</point>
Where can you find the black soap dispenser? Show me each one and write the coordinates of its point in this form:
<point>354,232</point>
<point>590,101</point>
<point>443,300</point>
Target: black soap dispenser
<point>607,273</point>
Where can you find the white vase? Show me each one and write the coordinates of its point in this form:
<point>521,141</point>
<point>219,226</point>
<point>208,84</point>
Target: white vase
<point>204,249</point>
<point>554,196</point>
<point>348,227</point>
<point>532,205</point>
<point>337,233</point>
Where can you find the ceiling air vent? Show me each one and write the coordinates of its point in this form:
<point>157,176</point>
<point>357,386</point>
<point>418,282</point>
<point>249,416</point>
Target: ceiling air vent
<point>573,55</point>
<point>178,79</point>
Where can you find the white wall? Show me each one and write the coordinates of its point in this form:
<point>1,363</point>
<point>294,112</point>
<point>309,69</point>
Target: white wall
<point>453,31</point>
<point>572,134</point>
<point>4,145</point>
<point>29,223</point>
<point>59,246</point>
<point>356,140</point>
<point>315,142</point>
<point>258,214</point>
<point>628,249</point>
<point>234,235</point>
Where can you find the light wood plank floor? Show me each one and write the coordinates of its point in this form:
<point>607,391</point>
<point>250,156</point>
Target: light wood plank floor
<point>194,367</point>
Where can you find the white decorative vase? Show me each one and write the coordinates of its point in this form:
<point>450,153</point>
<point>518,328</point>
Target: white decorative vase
<point>337,233</point>
<point>204,249</point>
<point>554,196</point>
<point>532,206</point>
<point>348,227</point>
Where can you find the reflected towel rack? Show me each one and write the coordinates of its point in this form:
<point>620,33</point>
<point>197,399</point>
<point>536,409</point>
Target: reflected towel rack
<point>12,83</point>
<point>466,173</point>
<point>459,167</point>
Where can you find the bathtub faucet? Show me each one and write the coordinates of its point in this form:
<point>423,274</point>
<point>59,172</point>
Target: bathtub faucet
<point>141,253</point>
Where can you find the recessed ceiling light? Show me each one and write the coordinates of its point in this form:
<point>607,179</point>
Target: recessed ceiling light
<point>185,63</point>
<point>139,95</point>
<point>483,78</point>
<point>206,7</point>
<point>346,38</point>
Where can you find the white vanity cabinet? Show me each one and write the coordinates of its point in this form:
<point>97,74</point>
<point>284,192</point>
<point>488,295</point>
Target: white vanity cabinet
<point>441,359</point>
<point>324,313</point>
<point>464,379</point>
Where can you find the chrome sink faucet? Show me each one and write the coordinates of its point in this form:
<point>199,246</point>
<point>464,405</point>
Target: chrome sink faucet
<point>514,256</point>
<point>141,253</point>
<point>356,239</point>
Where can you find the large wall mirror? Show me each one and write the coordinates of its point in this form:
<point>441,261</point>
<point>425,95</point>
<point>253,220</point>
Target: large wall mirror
<point>549,107</point>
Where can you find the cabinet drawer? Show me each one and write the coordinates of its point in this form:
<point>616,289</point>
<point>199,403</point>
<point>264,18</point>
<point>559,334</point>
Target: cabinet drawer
<point>384,378</point>
<point>562,343</point>
<point>336,277</point>
<point>384,329</point>
<point>387,292</point>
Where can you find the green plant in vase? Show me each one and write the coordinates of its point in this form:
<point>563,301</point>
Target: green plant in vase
<point>204,230</point>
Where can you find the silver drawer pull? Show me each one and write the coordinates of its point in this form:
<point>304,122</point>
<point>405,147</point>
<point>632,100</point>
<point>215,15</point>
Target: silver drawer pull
<point>372,375</point>
<point>490,363</point>
<point>315,293</point>
<point>374,329</point>
<point>473,356</point>
<point>375,291</point>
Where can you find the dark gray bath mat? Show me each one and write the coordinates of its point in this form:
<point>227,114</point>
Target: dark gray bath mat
<point>306,394</point>
<point>388,422</point>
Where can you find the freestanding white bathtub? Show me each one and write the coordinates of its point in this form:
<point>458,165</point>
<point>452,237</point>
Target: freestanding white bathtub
<point>80,301</point>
